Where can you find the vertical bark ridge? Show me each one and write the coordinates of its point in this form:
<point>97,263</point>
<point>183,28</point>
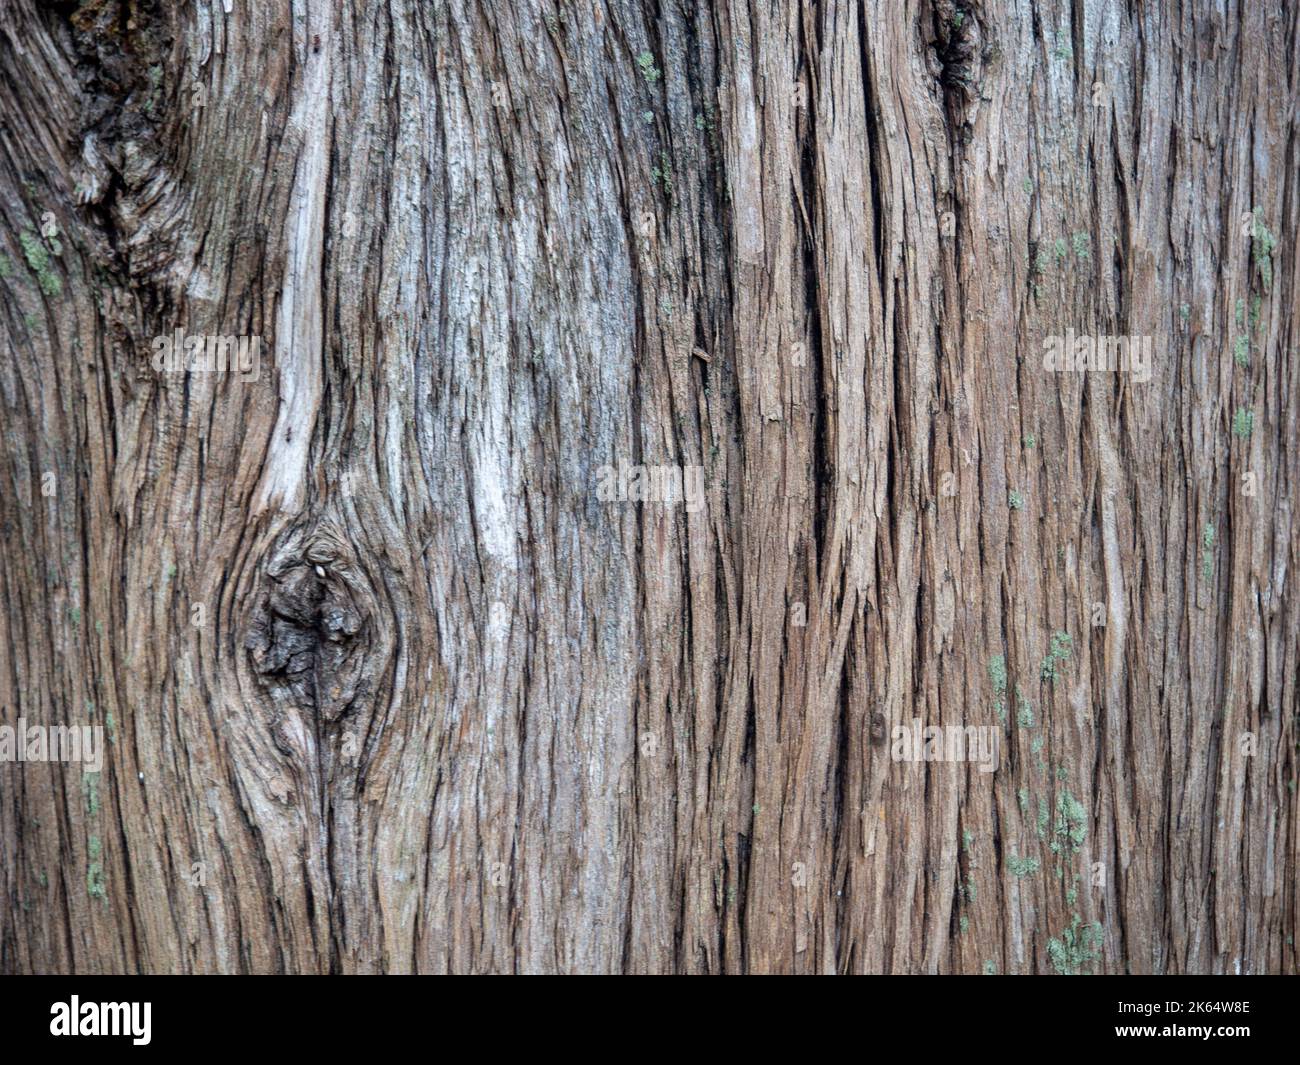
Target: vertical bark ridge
<point>389,686</point>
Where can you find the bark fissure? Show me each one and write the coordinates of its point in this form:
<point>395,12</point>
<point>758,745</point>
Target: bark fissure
<point>389,683</point>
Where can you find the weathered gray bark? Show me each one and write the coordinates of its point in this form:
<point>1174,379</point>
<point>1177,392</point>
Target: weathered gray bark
<point>445,709</point>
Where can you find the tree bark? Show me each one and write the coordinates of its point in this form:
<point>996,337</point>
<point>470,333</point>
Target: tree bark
<point>390,684</point>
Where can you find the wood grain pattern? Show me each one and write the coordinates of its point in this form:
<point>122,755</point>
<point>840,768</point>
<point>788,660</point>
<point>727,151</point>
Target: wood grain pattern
<point>389,688</point>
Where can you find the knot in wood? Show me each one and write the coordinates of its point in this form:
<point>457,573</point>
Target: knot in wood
<point>308,637</point>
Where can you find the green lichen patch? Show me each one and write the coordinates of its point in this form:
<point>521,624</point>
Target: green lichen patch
<point>661,175</point>
<point>90,793</point>
<point>95,870</point>
<point>38,260</point>
<point>1024,710</point>
<point>1262,243</point>
<point>646,61</point>
<point>1074,951</point>
<point>1022,867</point>
<point>1059,650</point>
<point>1071,827</point>
<point>998,675</point>
<point>1241,350</point>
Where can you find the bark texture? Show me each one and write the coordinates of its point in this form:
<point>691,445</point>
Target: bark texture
<point>389,687</point>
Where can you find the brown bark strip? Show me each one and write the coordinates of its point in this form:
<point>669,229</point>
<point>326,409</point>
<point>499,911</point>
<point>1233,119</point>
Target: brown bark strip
<point>388,686</point>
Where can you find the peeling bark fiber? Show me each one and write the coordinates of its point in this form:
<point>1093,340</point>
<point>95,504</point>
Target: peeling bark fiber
<point>598,486</point>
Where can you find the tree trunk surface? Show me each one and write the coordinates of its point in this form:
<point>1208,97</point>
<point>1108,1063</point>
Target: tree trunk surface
<point>389,682</point>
